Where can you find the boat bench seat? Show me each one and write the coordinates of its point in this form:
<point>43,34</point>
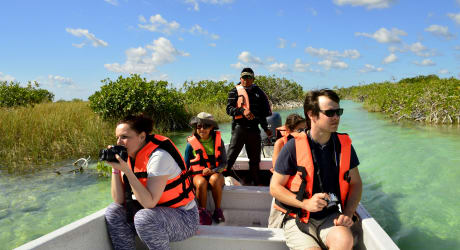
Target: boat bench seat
<point>231,237</point>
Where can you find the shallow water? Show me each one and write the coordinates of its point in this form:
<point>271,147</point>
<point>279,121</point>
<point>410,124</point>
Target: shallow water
<point>409,171</point>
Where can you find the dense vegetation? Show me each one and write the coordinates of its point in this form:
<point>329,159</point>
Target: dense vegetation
<point>423,98</point>
<point>36,132</point>
<point>134,95</point>
<point>14,95</point>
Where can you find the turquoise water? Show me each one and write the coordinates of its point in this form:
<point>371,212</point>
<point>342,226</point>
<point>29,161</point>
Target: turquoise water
<point>410,175</point>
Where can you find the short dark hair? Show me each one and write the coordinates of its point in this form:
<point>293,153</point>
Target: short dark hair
<point>138,123</point>
<point>311,102</point>
<point>292,121</point>
<point>249,70</point>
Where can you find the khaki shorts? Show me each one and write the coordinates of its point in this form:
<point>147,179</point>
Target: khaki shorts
<point>296,239</point>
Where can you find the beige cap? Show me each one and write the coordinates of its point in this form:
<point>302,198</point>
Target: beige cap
<point>204,118</point>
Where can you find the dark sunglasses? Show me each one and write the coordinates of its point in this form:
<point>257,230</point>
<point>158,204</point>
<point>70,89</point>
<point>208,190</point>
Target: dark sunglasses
<point>246,77</point>
<point>203,126</point>
<point>332,112</point>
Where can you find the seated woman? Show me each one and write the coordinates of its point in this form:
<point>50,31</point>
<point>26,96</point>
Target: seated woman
<point>294,123</point>
<point>205,155</point>
<point>151,193</point>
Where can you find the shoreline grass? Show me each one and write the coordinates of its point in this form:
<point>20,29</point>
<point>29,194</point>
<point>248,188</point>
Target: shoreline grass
<point>34,137</point>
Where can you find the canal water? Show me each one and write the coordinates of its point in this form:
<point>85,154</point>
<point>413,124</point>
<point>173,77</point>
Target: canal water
<point>410,174</point>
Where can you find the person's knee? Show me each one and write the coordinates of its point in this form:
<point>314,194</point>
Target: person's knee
<point>340,238</point>
<point>145,217</point>
<point>200,182</point>
<point>113,211</point>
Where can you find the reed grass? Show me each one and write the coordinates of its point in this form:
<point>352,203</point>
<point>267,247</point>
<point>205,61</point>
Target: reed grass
<point>50,132</point>
<point>34,137</point>
<point>217,110</point>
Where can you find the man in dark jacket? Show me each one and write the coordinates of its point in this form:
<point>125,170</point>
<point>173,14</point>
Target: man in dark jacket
<point>249,106</point>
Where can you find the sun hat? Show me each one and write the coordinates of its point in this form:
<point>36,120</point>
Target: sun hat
<point>204,118</point>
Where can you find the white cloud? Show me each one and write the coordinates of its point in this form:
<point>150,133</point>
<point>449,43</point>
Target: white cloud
<point>158,24</point>
<point>85,33</point>
<point>299,66</point>
<point>78,45</point>
<point>238,65</point>
<point>426,62</point>
<point>293,45</point>
<point>439,30</point>
<point>327,64</point>
<point>390,58</point>
<point>282,43</point>
<point>270,59</point>
<point>7,78</point>
<point>146,60</point>
<point>279,67</point>
<point>443,72</point>
<point>455,17</point>
<point>385,36</point>
<point>197,29</point>
<point>212,45</point>
<point>196,6</point>
<point>458,46</point>
<point>247,58</point>
<point>57,81</point>
<point>325,53</point>
<point>417,48</point>
<point>370,4</point>
<point>112,2</point>
<point>370,68</point>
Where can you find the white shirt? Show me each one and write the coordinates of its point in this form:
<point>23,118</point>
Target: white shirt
<point>162,163</point>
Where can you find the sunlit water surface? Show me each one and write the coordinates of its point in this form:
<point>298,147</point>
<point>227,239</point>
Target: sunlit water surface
<point>410,174</point>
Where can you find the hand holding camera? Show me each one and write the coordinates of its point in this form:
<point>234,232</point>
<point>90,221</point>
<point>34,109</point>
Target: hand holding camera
<point>109,154</point>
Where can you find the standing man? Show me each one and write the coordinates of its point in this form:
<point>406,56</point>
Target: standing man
<point>311,169</point>
<point>249,106</point>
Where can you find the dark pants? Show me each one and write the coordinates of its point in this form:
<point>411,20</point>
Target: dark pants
<point>250,138</point>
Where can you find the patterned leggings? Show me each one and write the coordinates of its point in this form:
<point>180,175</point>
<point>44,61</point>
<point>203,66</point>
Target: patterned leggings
<point>156,227</point>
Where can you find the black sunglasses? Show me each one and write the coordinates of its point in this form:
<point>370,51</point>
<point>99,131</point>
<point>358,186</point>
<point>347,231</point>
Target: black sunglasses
<point>203,126</point>
<point>246,77</point>
<point>332,112</point>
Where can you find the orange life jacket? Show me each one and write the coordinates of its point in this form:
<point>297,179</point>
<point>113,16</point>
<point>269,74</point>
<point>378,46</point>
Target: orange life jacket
<point>243,99</point>
<point>303,179</point>
<point>201,159</point>
<point>178,191</point>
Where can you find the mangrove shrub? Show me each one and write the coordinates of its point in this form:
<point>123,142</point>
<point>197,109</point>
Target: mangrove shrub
<point>13,95</point>
<point>207,92</point>
<point>280,90</point>
<point>135,95</point>
<point>422,98</point>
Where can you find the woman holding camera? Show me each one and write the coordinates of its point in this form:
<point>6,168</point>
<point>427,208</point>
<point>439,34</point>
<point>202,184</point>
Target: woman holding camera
<point>205,155</point>
<point>151,192</point>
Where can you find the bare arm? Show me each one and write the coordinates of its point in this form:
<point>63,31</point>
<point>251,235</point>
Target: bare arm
<point>354,196</point>
<point>117,189</point>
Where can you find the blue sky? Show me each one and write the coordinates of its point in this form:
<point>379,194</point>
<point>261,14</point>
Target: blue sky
<point>70,46</point>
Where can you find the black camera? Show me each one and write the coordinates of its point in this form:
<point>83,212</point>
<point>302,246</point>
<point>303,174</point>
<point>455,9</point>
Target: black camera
<point>332,201</point>
<point>109,154</point>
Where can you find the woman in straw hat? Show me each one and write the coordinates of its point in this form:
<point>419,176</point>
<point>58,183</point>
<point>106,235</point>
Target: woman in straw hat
<point>205,156</point>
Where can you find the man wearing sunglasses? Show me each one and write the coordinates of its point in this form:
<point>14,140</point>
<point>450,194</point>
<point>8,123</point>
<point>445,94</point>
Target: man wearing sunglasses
<point>310,171</point>
<point>249,106</point>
